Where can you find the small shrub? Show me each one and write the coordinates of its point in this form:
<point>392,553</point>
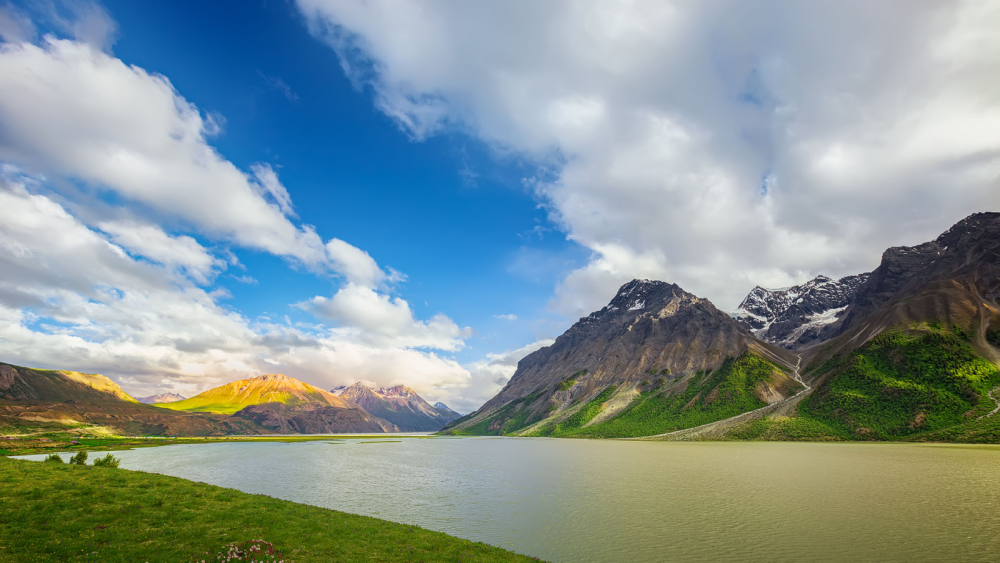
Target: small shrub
<point>54,458</point>
<point>107,461</point>
<point>80,458</point>
<point>253,550</point>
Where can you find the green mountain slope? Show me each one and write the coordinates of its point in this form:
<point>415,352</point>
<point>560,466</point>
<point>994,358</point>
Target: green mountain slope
<point>662,404</point>
<point>271,388</point>
<point>903,383</point>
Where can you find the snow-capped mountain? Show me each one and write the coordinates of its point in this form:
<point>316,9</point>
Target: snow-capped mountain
<point>799,315</point>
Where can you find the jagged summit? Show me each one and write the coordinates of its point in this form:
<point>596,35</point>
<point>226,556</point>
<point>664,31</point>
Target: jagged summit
<point>399,405</point>
<point>442,406</point>
<point>798,315</point>
<point>637,294</point>
<point>161,398</point>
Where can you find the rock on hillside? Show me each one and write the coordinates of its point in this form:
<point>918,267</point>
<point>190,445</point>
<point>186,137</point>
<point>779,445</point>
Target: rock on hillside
<point>799,315</point>
<point>651,334</point>
<point>399,405</point>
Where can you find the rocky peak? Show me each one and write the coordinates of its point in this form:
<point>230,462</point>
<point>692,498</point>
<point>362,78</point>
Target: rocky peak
<point>798,315</point>
<point>442,406</point>
<point>972,227</point>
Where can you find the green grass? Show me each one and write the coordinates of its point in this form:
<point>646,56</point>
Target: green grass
<point>574,422</point>
<point>512,417</point>
<point>788,429</point>
<point>68,442</point>
<point>56,512</point>
<point>726,392</point>
<point>571,380</point>
<point>904,383</point>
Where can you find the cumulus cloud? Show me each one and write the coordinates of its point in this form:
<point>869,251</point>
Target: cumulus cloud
<point>177,252</point>
<point>72,111</point>
<point>71,296</point>
<point>717,145</point>
<point>489,375</point>
<point>125,288</point>
<point>379,319</point>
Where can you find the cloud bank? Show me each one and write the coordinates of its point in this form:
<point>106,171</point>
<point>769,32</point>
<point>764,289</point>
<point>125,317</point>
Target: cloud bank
<point>116,219</point>
<point>717,145</point>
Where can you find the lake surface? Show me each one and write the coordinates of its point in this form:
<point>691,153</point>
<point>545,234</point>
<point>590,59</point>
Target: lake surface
<point>586,500</point>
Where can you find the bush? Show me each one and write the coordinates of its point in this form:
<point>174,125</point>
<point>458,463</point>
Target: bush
<point>54,458</point>
<point>80,458</point>
<point>107,461</point>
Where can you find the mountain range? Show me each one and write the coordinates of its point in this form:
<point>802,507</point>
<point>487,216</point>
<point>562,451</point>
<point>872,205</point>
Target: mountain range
<point>271,403</point>
<point>399,405</point>
<point>907,351</point>
<point>160,398</point>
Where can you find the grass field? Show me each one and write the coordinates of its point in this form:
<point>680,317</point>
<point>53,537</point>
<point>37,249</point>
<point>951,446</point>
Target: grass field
<point>55,512</point>
<point>68,442</point>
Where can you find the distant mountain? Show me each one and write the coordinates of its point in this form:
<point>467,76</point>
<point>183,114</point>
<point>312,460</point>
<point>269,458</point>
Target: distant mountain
<point>284,404</point>
<point>444,407</point>
<point>270,388</point>
<point>26,384</point>
<point>60,399</point>
<point>161,398</point>
<point>399,405</point>
<point>653,360</point>
<point>799,315</point>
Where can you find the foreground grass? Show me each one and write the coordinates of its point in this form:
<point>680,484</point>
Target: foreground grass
<point>55,512</point>
<point>50,442</point>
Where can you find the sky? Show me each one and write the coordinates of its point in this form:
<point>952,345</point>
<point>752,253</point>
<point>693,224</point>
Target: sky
<point>422,193</point>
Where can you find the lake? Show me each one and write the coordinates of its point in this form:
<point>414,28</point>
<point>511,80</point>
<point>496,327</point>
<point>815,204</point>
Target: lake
<point>590,500</point>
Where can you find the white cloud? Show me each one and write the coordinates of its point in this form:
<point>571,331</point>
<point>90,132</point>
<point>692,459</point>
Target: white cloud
<point>717,145</point>
<point>377,319</point>
<point>507,317</point>
<point>177,252</point>
<point>355,264</point>
<point>114,288</point>
<point>488,376</point>
<point>267,179</point>
<point>72,111</point>
<point>70,298</point>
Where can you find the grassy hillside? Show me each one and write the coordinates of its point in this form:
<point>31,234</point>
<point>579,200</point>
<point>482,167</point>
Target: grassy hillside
<point>55,512</point>
<point>922,383</point>
<point>904,383</point>
<point>706,397</point>
<point>736,387</point>
<point>56,386</point>
<point>232,397</point>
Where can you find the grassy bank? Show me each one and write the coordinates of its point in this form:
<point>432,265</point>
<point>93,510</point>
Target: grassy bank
<point>55,512</point>
<point>69,442</point>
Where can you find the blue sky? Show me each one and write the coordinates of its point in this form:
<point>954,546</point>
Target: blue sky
<point>454,218</point>
<point>422,193</point>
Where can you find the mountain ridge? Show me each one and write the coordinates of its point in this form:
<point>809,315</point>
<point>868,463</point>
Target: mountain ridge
<point>399,405</point>
<point>909,351</point>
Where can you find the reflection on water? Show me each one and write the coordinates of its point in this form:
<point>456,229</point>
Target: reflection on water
<point>585,500</point>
